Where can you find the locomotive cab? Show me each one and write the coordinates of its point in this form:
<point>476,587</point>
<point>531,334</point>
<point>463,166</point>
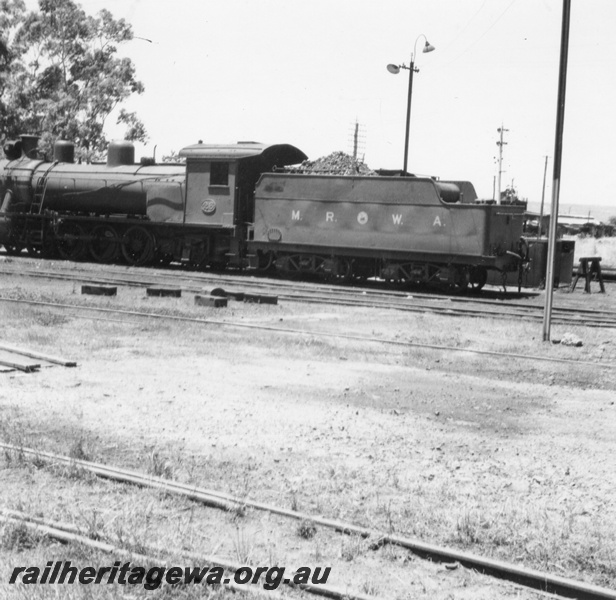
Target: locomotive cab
<point>220,184</point>
<point>220,180</point>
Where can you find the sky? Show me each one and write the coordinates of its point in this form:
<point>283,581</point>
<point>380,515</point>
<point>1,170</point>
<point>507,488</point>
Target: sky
<point>304,72</point>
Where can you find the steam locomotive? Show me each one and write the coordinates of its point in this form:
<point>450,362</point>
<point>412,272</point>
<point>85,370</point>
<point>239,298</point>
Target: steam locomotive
<point>242,206</point>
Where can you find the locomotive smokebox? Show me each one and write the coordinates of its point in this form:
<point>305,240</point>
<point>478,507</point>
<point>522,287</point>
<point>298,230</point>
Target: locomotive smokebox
<point>64,151</point>
<point>120,153</point>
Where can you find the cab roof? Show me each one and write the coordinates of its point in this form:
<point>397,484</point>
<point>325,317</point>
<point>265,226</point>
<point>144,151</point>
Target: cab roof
<point>280,155</point>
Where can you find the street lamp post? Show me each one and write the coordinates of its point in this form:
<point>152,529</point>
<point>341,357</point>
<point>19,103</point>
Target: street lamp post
<point>395,69</point>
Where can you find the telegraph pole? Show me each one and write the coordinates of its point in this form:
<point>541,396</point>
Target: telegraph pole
<point>558,149</point>
<point>545,170</point>
<point>357,139</point>
<point>500,145</point>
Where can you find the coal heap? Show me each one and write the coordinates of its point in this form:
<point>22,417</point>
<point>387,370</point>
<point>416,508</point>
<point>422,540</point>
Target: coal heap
<point>337,163</point>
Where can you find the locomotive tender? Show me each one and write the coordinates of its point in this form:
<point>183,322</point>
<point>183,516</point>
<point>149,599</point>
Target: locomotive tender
<point>232,206</point>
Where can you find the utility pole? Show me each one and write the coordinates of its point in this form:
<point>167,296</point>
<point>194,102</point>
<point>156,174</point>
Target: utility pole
<point>545,170</point>
<point>357,141</point>
<point>558,149</point>
<point>500,145</point>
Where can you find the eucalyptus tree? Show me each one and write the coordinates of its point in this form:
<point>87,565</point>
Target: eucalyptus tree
<point>61,76</point>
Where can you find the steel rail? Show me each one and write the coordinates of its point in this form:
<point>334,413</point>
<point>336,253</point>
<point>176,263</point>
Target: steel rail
<point>67,534</point>
<point>70,533</point>
<point>519,311</point>
<point>357,294</point>
<point>366,299</point>
<point>292,285</point>
<point>317,334</point>
<point>174,269</point>
<point>527,577</point>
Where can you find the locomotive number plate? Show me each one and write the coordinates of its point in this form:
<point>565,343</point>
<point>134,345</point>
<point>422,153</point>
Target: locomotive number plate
<point>208,206</point>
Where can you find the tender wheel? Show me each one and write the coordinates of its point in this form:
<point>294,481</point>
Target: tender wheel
<point>462,278</point>
<point>71,242</point>
<point>478,277</point>
<point>265,261</point>
<point>163,259</point>
<point>297,265</point>
<point>104,244</point>
<point>343,271</point>
<point>138,246</point>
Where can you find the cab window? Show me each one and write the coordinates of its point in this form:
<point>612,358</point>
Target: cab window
<point>219,173</point>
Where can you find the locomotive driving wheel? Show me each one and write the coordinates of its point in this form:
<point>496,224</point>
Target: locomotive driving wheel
<point>15,243</point>
<point>70,241</point>
<point>34,250</point>
<point>39,243</point>
<point>13,249</point>
<point>104,244</point>
<point>138,246</point>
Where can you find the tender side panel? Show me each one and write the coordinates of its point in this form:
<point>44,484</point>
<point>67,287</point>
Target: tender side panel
<point>377,190</point>
<point>380,214</point>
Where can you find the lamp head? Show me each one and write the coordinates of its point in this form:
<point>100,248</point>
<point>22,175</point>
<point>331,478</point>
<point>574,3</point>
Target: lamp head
<point>428,47</point>
<point>395,69</point>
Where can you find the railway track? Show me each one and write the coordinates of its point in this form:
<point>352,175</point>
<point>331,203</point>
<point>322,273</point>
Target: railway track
<point>300,332</point>
<point>545,582</point>
<point>409,301</point>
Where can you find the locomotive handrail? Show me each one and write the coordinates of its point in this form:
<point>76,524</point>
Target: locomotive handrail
<point>41,184</point>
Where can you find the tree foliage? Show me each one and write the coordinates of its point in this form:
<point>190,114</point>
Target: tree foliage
<point>60,75</point>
